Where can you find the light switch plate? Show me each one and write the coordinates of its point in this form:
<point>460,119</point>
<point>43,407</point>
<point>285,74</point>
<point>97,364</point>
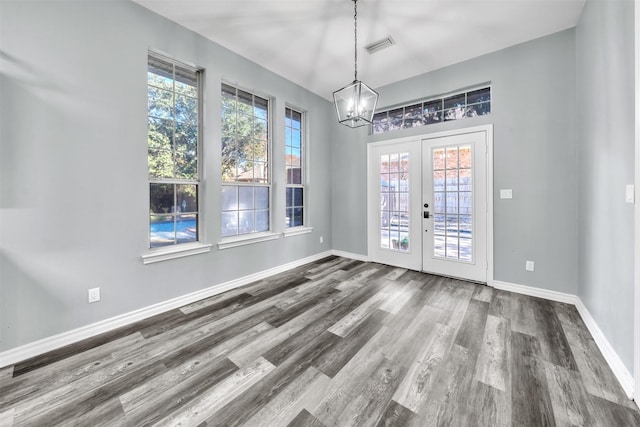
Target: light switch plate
<point>630,195</point>
<point>506,194</point>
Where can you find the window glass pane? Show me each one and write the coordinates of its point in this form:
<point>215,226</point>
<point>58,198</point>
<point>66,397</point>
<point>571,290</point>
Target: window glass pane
<point>395,119</point>
<point>438,159</point>
<point>229,223</point>
<point>261,108</point>
<point>465,249</point>
<point>380,123</point>
<point>297,217</point>
<point>480,95</point>
<point>262,220</point>
<point>186,137</point>
<point>466,229</point>
<point>186,165</point>
<point>438,181</point>
<point>160,103</point>
<point>438,202</point>
<point>261,197</point>
<point>452,180</point>
<point>245,198</point>
<point>161,198</point>
<point>413,116</point>
<point>452,203</point>
<point>229,198</point>
<point>479,109</point>
<point>187,197</point>
<point>439,224</point>
<point>162,230</point>
<point>452,158</point>
<point>452,225</point>
<point>186,109</point>
<point>160,164</point>
<point>454,101</point>
<point>246,222</point>
<point>465,180</point>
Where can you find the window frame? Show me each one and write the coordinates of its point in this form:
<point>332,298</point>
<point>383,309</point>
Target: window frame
<point>259,236</point>
<point>178,249</point>
<point>307,227</point>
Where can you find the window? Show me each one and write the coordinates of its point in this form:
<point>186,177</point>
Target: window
<point>245,163</point>
<point>173,151</point>
<point>294,168</point>
<point>458,106</point>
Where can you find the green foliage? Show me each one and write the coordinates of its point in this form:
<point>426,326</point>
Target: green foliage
<point>244,137</point>
<point>173,129</point>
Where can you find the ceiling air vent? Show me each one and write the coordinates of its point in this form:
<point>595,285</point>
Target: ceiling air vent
<point>379,45</point>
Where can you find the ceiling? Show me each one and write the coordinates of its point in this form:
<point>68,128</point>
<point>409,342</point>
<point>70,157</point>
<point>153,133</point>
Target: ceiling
<point>310,42</point>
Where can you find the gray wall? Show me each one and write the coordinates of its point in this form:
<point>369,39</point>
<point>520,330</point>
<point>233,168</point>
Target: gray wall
<point>73,168</point>
<point>605,94</point>
<point>533,113</point>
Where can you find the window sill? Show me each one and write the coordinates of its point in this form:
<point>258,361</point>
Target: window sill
<point>173,252</point>
<point>232,242</point>
<point>297,231</point>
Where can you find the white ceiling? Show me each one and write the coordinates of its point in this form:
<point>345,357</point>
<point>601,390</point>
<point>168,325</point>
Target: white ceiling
<point>310,42</point>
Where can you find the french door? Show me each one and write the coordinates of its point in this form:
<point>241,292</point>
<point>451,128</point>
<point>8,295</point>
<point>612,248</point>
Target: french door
<point>428,203</point>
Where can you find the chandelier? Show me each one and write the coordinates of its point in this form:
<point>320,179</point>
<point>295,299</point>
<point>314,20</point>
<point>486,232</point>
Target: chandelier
<point>356,102</point>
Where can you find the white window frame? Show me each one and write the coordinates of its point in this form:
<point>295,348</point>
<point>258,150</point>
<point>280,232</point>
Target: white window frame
<point>304,148</point>
<point>178,250</point>
<point>255,237</point>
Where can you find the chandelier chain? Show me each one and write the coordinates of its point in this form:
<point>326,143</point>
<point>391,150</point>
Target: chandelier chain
<point>355,38</point>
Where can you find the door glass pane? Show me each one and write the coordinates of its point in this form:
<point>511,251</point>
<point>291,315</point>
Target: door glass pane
<point>394,202</point>
<point>453,203</point>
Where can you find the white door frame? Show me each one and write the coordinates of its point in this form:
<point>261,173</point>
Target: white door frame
<point>488,129</point>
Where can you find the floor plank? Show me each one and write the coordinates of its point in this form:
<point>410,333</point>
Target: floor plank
<point>331,343</point>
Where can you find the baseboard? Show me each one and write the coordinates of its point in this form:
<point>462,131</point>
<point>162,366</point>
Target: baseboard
<point>621,372</point>
<point>615,363</point>
<point>350,255</point>
<point>36,348</point>
<point>535,292</point>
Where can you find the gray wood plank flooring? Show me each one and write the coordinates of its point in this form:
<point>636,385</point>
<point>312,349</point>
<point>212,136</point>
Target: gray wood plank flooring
<point>336,342</point>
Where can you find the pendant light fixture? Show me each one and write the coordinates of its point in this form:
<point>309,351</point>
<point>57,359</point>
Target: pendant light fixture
<point>356,102</point>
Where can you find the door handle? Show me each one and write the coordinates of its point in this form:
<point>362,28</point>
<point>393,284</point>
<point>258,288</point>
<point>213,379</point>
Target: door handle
<point>426,214</point>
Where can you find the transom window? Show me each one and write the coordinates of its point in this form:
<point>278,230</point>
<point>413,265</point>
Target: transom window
<point>454,107</point>
<point>294,168</point>
<point>173,146</point>
<point>245,162</point>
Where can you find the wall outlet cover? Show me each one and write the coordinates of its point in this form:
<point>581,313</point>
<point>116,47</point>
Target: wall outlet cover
<point>529,266</point>
<point>506,194</point>
<point>93,295</point>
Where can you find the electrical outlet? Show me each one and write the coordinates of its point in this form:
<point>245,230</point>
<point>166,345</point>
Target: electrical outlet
<point>528,266</point>
<point>94,295</point>
<point>321,239</point>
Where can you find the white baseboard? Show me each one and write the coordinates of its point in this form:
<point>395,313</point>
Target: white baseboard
<point>27,351</point>
<point>535,292</point>
<point>351,255</point>
<point>621,372</point>
<point>615,363</point>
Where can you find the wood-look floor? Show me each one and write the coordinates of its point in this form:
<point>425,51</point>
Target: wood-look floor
<point>333,343</point>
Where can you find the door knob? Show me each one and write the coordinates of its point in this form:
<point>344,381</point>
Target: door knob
<point>426,205</point>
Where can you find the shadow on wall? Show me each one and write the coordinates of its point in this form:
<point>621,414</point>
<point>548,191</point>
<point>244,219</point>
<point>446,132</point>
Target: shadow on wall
<point>29,308</point>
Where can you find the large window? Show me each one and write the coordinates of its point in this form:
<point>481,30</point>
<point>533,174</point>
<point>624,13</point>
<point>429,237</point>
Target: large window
<point>294,144</point>
<point>245,163</point>
<point>173,135</point>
